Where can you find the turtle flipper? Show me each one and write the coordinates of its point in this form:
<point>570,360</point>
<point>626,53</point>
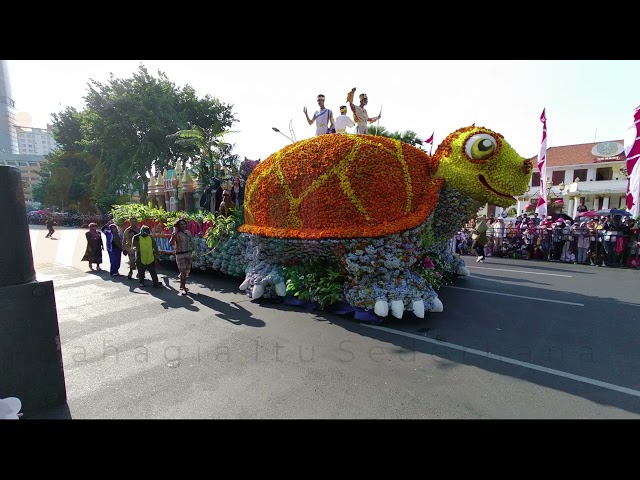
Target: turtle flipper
<point>263,278</point>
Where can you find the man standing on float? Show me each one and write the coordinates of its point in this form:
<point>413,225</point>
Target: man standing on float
<point>360,115</point>
<point>323,118</point>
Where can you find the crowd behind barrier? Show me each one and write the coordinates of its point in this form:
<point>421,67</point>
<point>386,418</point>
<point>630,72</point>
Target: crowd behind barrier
<point>601,242</point>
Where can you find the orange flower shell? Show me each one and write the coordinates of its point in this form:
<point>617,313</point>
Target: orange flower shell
<point>340,186</point>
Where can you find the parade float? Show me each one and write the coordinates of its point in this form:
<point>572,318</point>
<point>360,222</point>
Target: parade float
<point>349,223</point>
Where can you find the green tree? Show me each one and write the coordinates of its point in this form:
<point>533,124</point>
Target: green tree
<point>123,130</point>
<point>408,136</point>
<point>209,154</point>
<point>65,179</point>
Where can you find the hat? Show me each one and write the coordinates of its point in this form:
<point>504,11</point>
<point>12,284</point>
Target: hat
<point>145,229</point>
<point>320,97</point>
<point>343,109</point>
<point>363,96</point>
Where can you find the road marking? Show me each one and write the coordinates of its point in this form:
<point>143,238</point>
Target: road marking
<point>517,296</point>
<point>532,366</point>
<point>523,271</point>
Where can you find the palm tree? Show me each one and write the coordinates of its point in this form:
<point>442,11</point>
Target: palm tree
<point>408,136</point>
<point>213,153</point>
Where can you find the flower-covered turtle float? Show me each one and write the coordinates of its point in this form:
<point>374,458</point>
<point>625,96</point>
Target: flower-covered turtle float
<point>373,205</point>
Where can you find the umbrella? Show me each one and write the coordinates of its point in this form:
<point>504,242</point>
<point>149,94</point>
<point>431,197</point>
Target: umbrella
<point>612,212</point>
<point>588,214</point>
<point>564,216</point>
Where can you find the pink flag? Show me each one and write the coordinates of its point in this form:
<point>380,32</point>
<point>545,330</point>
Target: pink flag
<point>632,152</point>
<point>430,142</point>
<point>430,139</point>
<point>541,208</point>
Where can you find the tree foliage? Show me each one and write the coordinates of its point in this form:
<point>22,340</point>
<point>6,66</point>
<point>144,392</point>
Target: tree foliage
<point>65,181</point>
<point>408,136</point>
<point>210,154</point>
<point>121,136</point>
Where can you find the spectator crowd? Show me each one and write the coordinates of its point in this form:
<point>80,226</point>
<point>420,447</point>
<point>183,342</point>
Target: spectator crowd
<point>610,241</point>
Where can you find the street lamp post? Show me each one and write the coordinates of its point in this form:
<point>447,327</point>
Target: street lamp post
<point>550,191</point>
<point>550,187</point>
<point>276,130</point>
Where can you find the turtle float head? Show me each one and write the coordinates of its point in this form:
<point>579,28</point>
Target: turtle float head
<point>481,164</point>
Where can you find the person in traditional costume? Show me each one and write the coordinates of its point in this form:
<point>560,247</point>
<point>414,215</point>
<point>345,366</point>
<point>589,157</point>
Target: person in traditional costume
<point>182,243</point>
<point>323,118</point>
<point>343,121</point>
<point>360,115</point>
<point>114,248</point>
<point>93,252</point>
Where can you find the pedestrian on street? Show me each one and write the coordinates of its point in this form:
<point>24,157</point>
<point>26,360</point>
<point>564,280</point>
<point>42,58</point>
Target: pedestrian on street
<point>182,243</point>
<point>146,250</point>
<point>50,223</point>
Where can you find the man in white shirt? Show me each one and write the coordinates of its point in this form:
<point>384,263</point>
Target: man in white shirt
<point>360,114</point>
<point>343,121</point>
<point>323,118</point>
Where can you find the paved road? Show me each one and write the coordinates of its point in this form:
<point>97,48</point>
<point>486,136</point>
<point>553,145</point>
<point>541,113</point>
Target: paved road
<point>517,339</point>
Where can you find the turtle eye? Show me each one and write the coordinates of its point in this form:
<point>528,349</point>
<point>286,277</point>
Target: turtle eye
<point>481,146</point>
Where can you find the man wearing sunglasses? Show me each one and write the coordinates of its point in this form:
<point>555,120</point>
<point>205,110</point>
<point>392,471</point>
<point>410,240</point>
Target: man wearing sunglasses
<point>323,118</point>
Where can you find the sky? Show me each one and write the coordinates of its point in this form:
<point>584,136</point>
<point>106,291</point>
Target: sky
<point>584,100</point>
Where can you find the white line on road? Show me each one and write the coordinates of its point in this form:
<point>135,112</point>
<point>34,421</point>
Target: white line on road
<point>551,371</point>
<point>518,296</point>
<point>522,271</point>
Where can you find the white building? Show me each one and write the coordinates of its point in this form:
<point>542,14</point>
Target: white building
<point>35,141</point>
<point>8,139</point>
<point>593,172</point>
<point>29,166</point>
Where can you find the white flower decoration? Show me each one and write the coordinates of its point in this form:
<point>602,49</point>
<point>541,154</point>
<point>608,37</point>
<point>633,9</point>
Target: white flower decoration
<point>10,408</point>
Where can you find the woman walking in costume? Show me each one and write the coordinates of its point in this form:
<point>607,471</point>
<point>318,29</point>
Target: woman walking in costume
<point>114,248</point>
<point>93,252</point>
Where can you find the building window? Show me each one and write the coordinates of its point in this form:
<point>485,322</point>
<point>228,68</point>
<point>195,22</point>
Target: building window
<point>557,177</point>
<point>604,173</point>
<point>33,164</point>
<point>581,174</point>
<point>535,179</point>
<point>22,164</point>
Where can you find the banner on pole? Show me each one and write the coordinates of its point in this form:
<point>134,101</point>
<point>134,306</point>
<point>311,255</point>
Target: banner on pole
<point>632,152</point>
<point>541,207</point>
